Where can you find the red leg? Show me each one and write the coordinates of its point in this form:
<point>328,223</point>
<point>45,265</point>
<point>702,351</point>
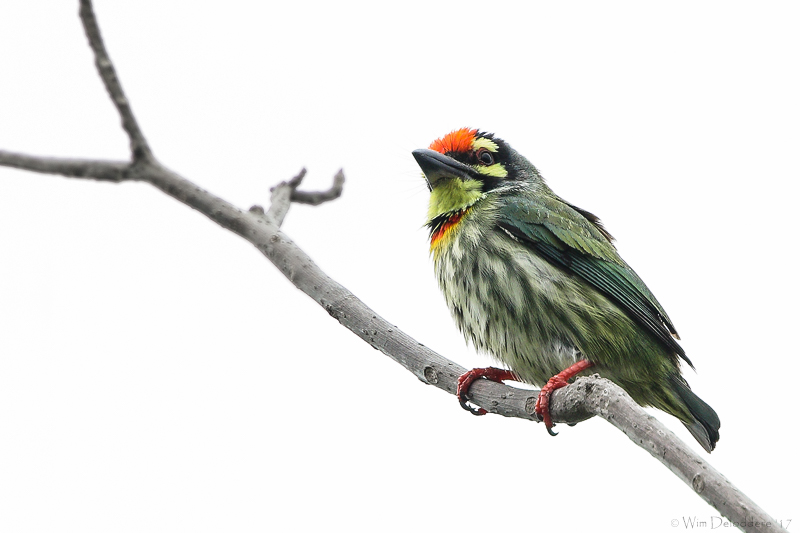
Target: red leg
<point>555,383</point>
<point>466,379</point>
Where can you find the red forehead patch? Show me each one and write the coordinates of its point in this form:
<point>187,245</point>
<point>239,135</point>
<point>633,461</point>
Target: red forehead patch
<point>455,141</point>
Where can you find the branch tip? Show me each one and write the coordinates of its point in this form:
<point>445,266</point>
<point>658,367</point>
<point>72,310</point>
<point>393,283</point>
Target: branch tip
<point>292,183</point>
<point>320,197</point>
<point>297,180</point>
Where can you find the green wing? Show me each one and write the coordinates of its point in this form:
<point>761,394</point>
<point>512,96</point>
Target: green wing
<point>574,240</point>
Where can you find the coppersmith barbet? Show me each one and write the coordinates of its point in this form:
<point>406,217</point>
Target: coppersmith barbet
<point>536,282</point>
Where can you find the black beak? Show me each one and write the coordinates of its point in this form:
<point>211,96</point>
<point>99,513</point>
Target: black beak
<point>438,167</point>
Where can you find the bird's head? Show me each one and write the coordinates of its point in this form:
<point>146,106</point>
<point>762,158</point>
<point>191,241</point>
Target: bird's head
<point>467,165</point>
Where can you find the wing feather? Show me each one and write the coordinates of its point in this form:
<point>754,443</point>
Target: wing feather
<point>568,238</point>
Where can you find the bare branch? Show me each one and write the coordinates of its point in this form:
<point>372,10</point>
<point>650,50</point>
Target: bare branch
<point>71,168</point>
<point>286,192</point>
<point>295,182</point>
<point>139,147</point>
<point>281,198</point>
<point>603,398</point>
<point>320,197</point>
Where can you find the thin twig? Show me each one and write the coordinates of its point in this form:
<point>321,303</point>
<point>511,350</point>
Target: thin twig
<point>140,150</point>
<point>281,198</point>
<point>320,197</point>
<point>286,192</point>
<point>295,182</point>
<point>71,168</point>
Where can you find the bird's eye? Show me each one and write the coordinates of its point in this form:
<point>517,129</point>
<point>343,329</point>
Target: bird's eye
<point>485,157</point>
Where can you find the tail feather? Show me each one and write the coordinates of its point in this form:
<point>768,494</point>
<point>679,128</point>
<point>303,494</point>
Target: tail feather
<point>705,427</point>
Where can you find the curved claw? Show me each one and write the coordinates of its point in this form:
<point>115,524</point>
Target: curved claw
<point>477,411</point>
<point>466,379</point>
<point>542,407</point>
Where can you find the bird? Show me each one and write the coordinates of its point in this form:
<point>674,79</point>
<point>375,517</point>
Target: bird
<point>537,283</point>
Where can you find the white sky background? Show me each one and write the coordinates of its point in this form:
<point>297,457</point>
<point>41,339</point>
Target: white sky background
<point>158,374</point>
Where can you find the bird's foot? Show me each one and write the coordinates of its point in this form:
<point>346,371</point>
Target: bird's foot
<point>465,381</point>
<point>542,407</point>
